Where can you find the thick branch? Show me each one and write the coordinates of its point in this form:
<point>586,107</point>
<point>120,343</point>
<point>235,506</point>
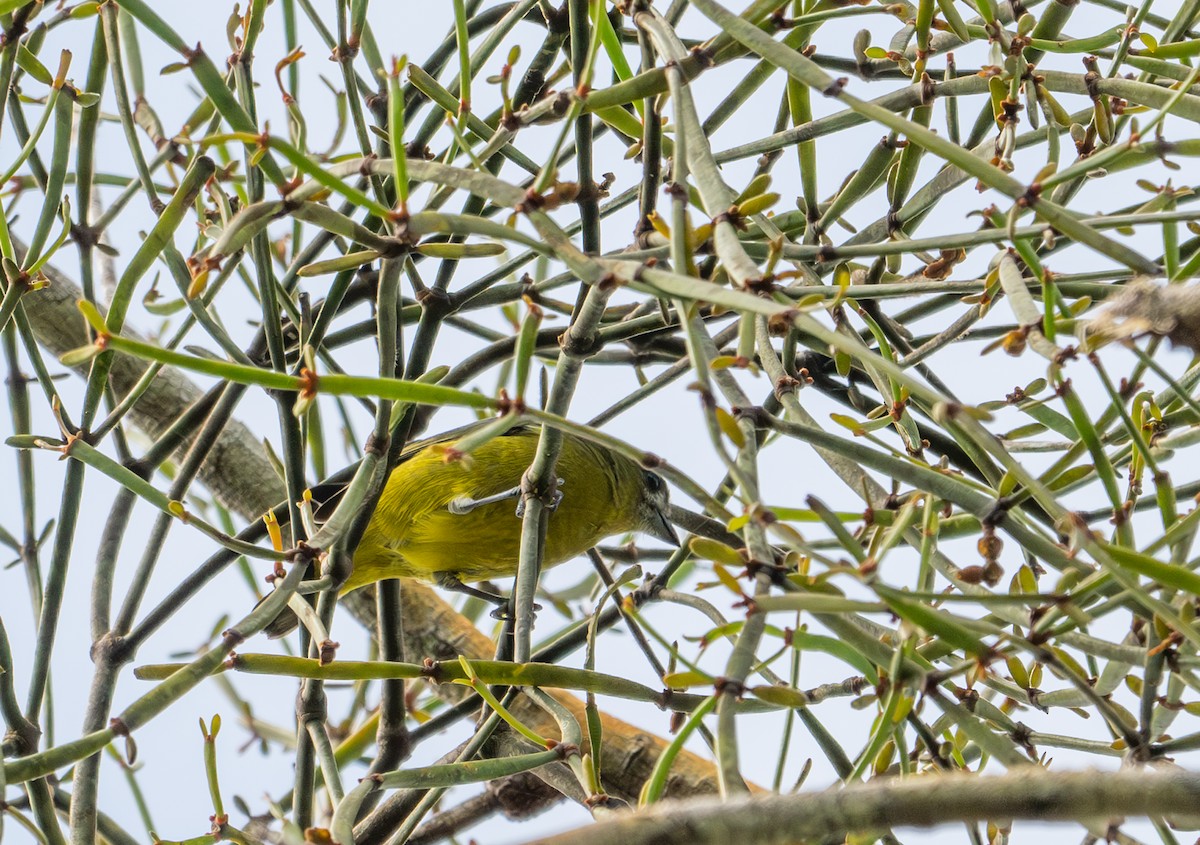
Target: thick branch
<point>921,801</point>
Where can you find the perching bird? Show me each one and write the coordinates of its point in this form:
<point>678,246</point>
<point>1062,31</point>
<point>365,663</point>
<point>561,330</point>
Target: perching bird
<point>450,522</point>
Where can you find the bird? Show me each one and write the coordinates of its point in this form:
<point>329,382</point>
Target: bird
<point>455,521</point>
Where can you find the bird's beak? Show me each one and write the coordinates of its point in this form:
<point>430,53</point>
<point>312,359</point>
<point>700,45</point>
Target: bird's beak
<point>662,529</point>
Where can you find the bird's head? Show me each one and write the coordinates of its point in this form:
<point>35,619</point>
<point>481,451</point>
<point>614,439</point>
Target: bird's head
<point>652,509</point>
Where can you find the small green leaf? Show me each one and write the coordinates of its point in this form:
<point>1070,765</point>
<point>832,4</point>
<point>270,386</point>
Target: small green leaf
<point>80,355</point>
<point>458,251</point>
<point>730,428</point>
<point>1070,477</point>
<point>1017,671</point>
<point>686,680</point>
<point>781,696</point>
<point>1168,574</point>
<point>30,63</point>
<point>737,523</point>
<point>757,204</point>
<point>706,549</point>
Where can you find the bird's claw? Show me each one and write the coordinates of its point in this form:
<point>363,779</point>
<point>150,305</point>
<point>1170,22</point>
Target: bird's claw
<point>552,505</point>
<point>505,612</point>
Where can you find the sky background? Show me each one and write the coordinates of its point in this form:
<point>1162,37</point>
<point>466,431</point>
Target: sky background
<point>170,766</point>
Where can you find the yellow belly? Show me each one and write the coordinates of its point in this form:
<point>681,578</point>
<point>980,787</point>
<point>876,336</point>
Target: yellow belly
<point>413,533</point>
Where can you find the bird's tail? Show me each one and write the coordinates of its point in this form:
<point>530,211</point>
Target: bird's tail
<point>283,624</point>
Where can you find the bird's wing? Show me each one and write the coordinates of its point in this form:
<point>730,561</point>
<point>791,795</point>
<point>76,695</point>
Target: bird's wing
<point>327,496</point>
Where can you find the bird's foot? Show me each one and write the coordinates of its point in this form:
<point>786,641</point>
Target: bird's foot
<point>507,611</point>
<point>552,505</point>
<point>504,604</point>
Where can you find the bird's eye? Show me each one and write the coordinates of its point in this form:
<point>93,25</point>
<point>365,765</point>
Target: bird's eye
<point>653,483</point>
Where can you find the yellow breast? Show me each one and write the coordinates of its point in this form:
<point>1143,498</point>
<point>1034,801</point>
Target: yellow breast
<point>414,534</point>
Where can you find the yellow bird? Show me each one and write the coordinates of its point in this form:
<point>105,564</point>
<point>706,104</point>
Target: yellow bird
<point>450,522</point>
